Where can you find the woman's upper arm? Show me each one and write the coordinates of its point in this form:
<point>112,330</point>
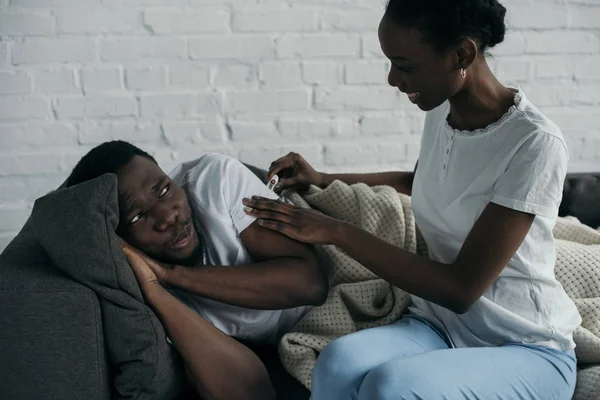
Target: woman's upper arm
<point>490,245</point>
<point>531,186</point>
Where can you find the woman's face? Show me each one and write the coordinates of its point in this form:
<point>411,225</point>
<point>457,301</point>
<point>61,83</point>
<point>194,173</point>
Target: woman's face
<point>429,77</point>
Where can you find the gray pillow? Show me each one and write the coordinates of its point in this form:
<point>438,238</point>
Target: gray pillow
<point>49,342</point>
<point>76,227</point>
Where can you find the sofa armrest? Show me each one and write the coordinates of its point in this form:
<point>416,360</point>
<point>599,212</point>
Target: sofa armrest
<point>581,196</point>
<point>51,342</point>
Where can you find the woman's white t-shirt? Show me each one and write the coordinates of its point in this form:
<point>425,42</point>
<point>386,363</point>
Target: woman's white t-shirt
<point>520,162</point>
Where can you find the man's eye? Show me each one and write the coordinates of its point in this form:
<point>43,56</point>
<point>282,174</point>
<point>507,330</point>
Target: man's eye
<point>164,191</point>
<point>136,218</point>
<point>406,69</point>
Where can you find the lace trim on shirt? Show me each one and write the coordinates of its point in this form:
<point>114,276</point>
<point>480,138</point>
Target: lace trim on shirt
<point>490,127</point>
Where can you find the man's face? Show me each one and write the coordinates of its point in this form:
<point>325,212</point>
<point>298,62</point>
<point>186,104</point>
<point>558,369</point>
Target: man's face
<point>155,215</point>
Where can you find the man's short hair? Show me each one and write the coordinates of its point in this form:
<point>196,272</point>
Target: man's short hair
<point>106,158</point>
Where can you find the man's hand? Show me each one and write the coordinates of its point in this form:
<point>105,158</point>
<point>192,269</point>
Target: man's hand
<point>145,277</point>
<point>159,269</point>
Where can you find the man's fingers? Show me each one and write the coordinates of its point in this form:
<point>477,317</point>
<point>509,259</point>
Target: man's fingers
<point>131,253</point>
<point>132,257</point>
<point>132,249</point>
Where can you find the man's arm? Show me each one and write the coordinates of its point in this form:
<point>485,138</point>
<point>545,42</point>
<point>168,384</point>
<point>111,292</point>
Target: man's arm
<point>212,359</point>
<point>285,274</point>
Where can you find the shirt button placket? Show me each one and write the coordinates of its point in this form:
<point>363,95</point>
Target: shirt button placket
<point>447,157</point>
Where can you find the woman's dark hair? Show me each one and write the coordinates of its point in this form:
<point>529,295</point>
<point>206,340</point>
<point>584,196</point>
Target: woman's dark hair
<point>444,23</point>
<point>106,158</point>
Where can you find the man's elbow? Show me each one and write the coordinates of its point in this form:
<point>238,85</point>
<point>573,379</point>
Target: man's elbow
<point>318,293</point>
<point>262,390</point>
<point>316,287</point>
<point>256,387</point>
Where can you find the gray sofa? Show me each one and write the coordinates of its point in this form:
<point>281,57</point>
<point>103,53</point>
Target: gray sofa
<point>73,324</point>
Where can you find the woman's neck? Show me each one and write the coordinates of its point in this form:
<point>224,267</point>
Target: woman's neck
<point>482,101</point>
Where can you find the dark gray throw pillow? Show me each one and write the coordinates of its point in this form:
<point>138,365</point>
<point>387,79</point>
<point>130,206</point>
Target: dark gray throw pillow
<point>76,227</point>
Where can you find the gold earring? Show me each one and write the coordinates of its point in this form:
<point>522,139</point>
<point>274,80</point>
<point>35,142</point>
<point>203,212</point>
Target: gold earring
<point>463,73</point>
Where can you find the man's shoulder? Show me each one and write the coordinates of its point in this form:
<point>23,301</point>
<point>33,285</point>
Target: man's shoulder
<point>205,180</point>
<point>217,159</point>
<point>212,167</point>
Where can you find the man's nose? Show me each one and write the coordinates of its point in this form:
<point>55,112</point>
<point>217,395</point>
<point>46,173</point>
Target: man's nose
<point>165,215</point>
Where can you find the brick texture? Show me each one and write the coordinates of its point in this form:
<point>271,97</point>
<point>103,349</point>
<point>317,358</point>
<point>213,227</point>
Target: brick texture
<point>253,79</point>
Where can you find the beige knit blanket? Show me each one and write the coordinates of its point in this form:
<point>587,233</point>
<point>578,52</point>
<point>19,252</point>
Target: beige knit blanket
<point>359,300</point>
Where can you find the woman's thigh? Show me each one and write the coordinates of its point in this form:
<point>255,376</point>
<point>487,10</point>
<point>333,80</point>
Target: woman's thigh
<point>506,372</point>
<point>346,361</point>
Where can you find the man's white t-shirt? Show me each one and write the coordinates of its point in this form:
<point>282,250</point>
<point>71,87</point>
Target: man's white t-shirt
<point>520,162</point>
<point>215,185</point>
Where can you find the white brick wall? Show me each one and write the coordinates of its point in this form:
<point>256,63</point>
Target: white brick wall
<point>253,79</point>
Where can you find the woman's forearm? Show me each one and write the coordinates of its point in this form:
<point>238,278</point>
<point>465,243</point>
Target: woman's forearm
<point>417,275</point>
<point>401,181</point>
<point>214,359</point>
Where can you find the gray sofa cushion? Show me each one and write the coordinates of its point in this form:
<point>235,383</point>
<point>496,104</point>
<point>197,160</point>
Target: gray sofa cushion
<point>581,196</point>
<point>76,227</point>
<point>51,336</point>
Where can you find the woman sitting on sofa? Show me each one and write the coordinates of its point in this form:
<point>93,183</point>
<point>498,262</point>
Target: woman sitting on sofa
<point>489,319</point>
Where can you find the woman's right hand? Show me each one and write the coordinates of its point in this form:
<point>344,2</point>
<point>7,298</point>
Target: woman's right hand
<point>294,173</point>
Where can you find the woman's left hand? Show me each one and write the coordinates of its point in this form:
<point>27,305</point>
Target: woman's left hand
<point>302,224</point>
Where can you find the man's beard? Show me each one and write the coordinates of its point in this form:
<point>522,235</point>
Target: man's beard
<point>195,259</point>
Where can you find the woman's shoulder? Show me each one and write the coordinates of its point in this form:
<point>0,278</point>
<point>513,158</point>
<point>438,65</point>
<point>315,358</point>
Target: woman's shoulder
<point>531,119</point>
<point>529,133</point>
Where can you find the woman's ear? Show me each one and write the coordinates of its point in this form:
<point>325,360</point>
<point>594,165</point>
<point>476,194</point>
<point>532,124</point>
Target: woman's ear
<point>466,53</point>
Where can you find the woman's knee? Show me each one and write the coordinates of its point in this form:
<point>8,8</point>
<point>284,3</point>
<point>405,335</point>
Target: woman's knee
<point>394,381</point>
<point>339,370</point>
<point>336,357</point>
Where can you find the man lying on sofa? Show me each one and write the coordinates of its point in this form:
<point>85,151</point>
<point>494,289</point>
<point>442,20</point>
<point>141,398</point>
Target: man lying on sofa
<point>226,276</point>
